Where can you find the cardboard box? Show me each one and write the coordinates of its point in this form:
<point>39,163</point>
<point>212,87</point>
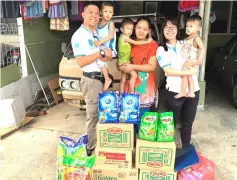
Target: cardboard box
<point>114,174</point>
<point>157,174</point>
<point>113,158</point>
<point>155,155</point>
<point>12,112</point>
<point>115,136</point>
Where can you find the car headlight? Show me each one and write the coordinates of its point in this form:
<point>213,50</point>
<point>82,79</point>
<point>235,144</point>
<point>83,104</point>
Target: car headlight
<point>65,84</point>
<point>74,85</point>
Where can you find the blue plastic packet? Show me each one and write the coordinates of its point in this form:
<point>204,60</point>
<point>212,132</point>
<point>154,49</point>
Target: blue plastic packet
<point>68,142</point>
<point>83,139</point>
<point>70,146</point>
<point>129,108</point>
<point>108,108</point>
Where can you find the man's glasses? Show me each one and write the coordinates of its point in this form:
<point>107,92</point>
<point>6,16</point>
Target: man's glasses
<point>170,28</point>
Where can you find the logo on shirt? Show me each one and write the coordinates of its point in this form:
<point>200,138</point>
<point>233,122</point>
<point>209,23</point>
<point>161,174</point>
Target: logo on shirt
<point>76,45</point>
<point>159,58</point>
<point>90,42</point>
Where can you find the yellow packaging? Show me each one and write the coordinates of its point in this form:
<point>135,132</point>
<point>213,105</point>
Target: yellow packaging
<point>70,172</point>
<point>155,155</point>
<point>114,174</point>
<point>157,174</point>
<point>115,136</point>
<point>113,158</point>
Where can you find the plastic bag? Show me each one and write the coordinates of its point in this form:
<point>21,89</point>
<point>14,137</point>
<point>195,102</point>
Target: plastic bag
<point>74,173</point>
<point>83,139</point>
<point>78,151</point>
<point>129,108</point>
<point>108,108</point>
<point>148,126</point>
<point>166,127</point>
<point>70,143</point>
<point>72,160</point>
<point>204,170</point>
<point>68,146</point>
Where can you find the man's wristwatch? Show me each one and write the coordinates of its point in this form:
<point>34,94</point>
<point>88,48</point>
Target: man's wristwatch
<point>102,53</point>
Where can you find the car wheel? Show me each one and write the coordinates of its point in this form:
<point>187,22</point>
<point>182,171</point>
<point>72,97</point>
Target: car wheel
<point>234,96</point>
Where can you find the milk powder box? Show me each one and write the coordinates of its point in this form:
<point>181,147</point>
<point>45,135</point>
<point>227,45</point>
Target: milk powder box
<point>129,108</point>
<point>108,107</point>
<point>115,136</point>
<point>113,158</point>
<point>114,174</point>
<point>153,174</point>
<point>155,155</point>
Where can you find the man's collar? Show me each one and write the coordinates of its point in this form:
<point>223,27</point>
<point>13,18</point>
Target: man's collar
<point>88,30</point>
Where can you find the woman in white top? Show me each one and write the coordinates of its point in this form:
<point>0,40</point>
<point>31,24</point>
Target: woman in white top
<point>171,61</point>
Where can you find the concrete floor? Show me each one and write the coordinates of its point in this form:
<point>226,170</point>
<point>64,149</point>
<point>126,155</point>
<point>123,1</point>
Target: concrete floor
<point>30,153</point>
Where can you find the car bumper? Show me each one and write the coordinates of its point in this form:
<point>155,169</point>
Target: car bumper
<point>73,95</point>
<point>73,98</point>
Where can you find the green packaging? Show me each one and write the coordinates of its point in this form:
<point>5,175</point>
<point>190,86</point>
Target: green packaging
<point>166,127</point>
<point>148,126</point>
<point>73,168</point>
<point>86,162</point>
<point>78,151</point>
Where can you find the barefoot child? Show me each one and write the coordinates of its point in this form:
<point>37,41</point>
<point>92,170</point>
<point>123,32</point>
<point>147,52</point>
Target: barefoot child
<point>193,52</point>
<point>124,51</point>
<point>106,37</point>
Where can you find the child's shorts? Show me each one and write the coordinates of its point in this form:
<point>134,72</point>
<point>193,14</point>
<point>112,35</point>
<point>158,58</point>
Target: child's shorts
<point>114,53</point>
<point>101,63</point>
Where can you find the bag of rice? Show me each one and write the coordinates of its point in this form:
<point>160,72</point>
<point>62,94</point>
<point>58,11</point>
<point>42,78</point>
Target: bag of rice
<point>148,126</point>
<point>165,127</point>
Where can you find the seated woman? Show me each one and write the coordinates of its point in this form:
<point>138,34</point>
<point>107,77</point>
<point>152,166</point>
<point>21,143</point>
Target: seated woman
<point>144,63</point>
<point>171,61</point>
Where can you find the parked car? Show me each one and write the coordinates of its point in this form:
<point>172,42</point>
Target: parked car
<point>9,54</point>
<point>70,73</point>
<point>225,67</point>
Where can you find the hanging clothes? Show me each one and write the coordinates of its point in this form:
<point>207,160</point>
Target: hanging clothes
<point>187,5</point>
<point>23,14</point>
<point>45,5</point>
<point>34,9</point>
<point>60,24</point>
<point>213,17</point>
<point>76,10</point>
<point>57,11</point>
<point>10,9</point>
<point>74,7</point>
<point>81,8</point>
<point>54,2</point>
<point>182,21</point>
<point>22,2</point>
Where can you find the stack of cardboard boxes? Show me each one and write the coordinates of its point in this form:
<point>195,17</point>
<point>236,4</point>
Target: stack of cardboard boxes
<point>115,145</point>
